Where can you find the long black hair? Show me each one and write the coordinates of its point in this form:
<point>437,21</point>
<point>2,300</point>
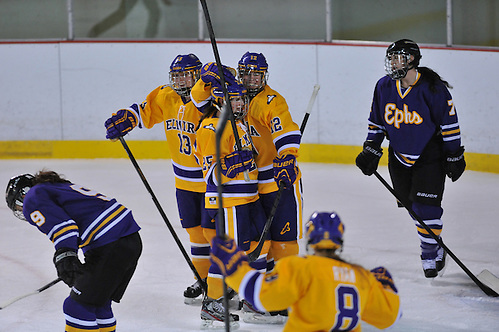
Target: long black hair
<point>430,76</point>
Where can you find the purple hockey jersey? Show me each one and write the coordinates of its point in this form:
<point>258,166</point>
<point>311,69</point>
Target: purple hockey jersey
<point>75,217</point>
<point>410,118</point>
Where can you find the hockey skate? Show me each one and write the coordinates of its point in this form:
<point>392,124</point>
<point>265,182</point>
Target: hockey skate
<point>213,315</point>
<point>440,260</point>
<point>429,267</point>
<point>254,316</point>
<point>192,293</point>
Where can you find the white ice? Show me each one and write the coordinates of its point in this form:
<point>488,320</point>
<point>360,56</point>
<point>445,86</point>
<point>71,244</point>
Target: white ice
<point>377,233</point>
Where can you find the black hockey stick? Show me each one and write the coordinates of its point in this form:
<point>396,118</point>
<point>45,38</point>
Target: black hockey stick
<point>253,256</point>
<point>486,289</point>
<point>162,213</point>
<point>39,290</point>
<point>226,114</point>
<point>222,79</point>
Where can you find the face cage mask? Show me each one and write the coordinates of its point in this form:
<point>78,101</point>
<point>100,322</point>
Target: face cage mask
<point>239,111</point>
<point>19,203</point>
<point>253,90</point>
<point>397,65</point>
<point>176,76</point>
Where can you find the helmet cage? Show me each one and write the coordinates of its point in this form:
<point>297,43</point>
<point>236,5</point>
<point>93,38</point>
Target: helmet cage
<point>397,64</point>
<point>238,98</point>
<point>398,58</point>
<point>253,79</point>
<point>17,188</point>
<point>253,72</point>
<point>240,105</point>
<point>184,73</point>
<point>183,81</point>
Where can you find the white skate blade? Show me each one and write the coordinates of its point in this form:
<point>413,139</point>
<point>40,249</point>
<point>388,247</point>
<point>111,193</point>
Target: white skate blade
<point>197,301</point>
<point>489,280</point>
<point>217,325</point>
<point>442,271</point>
<point>255,318</point>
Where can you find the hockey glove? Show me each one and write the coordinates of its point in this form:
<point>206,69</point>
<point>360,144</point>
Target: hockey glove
<point>368,159</point>
<point>455,164</point>
<point>285,170</point>
<point>384,277</point>
<point>209,74</point>
<point>120,123</point>
<point>67,264</point>
<point>236,162</point>
<point>227,255</point>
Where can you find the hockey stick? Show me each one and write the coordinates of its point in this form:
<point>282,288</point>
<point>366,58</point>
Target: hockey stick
<point>309,107</point>
<point>39,290</point>
<point>222,80</point>
<point>488,282</point>
<point>162,213</point>
<point>253,256</point>
<point>226,114</point>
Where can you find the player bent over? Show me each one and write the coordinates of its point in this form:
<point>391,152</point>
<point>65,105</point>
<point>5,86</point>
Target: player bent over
<point>74,217</point>
<point>171,105</point>
<point>324,292</point>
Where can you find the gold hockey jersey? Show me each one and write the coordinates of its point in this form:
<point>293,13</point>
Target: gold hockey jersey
<point>236,191</point>
<point>273,133</point>
<point>163,104</point>
<point>323,294</point>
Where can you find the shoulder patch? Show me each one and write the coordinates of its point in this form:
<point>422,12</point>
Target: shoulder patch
<point>210,127</point>
<point>270,98</point>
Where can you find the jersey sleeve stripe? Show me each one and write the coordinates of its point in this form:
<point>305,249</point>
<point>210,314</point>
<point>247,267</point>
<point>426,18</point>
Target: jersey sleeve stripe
<point>58,226</point>
<point>288,140</point>
<point>64,230</point>
<point>250,288</point>
<point>100,225</point>
<point>73,235</point>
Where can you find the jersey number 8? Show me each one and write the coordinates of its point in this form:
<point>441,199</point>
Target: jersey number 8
<point>347,307</point>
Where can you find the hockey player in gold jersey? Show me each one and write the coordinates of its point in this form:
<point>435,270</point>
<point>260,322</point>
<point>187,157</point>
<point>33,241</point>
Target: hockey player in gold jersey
<point>323,292</point>
<point>276,138</point>
<point>243,214</point>
<point>171,105</point>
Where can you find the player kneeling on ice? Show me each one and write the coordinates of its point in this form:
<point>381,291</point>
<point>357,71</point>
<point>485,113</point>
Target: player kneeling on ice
<point>75,217</point>
<point>323,292</point>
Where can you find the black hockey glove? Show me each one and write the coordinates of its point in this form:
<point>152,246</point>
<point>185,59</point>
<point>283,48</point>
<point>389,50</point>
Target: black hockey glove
<point>67,264</point>
<point>368,159</point>
<point>455,164</point>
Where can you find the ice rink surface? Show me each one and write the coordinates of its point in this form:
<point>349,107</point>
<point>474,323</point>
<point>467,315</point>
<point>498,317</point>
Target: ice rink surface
<point>376,233</point>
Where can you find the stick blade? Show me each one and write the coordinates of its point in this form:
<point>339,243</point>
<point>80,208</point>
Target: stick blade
<point>490,281</point>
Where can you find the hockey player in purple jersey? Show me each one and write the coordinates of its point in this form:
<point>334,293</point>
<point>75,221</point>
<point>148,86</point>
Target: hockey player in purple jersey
<point>74,217</point>
<point>413,108</point>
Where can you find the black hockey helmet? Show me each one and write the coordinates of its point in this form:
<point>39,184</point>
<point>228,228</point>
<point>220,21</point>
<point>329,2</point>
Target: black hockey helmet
<point>17,187</point>
<point>400,52</point>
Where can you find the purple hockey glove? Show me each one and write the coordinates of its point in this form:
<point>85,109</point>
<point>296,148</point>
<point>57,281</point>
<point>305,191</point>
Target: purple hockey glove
<point>285,170</point>
<point>209,74</point>
<point>384,277</point>
<point>236,162</point>
<point>227,255</point>
<point>120,123</point>
<point>455,164</point>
